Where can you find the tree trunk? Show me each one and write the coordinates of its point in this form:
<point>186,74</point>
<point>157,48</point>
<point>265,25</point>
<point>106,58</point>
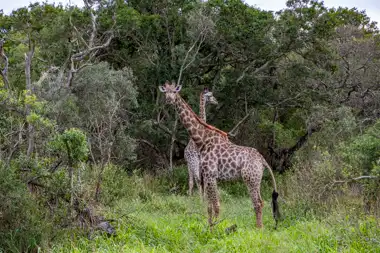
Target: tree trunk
<point>30,128</point>
<point>281,158</point>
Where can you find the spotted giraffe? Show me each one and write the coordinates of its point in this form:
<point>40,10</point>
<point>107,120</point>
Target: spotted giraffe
<point>221,159</point>
<point>192,155</point>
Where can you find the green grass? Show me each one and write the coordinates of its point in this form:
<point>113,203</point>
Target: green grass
<point>173,223</point>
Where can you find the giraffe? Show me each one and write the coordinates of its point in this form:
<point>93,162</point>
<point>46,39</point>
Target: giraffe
<point>192,155</point>
<point>222,159</point>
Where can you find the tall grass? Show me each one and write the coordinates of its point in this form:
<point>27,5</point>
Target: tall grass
<point>156,215</point>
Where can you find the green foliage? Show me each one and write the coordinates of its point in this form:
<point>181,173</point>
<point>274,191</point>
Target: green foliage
<point>21,226</point>
<point>73,143</point>
<point>363,151</point>
<point>310,72</point>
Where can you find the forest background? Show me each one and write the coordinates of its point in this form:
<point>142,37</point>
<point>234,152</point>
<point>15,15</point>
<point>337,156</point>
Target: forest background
<point>87,143</point>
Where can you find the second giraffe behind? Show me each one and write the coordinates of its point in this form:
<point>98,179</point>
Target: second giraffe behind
<point>221,159</point>
<point>192,155</point>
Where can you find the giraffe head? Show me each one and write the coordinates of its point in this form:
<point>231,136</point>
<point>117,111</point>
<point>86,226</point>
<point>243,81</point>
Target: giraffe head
<point>170,91</point>
<point>209,97</point>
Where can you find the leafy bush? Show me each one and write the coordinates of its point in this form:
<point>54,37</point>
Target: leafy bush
<point>22,226</point>
<point>362,155</point>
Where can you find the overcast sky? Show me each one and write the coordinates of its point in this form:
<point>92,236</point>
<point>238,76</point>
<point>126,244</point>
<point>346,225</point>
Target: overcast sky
<point>372,8</point>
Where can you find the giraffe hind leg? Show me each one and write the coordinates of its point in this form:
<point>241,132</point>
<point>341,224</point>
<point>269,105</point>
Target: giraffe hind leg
<point>191,183</point>
<point>253,185</point>
<point>191,178</point>
<point>199,185</point>
<point>198,182</point>
<point>194,171</point>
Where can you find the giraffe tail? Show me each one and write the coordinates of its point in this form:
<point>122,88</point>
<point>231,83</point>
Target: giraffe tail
<point>275,207</point>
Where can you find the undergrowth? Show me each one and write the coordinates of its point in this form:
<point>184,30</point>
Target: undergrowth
<point>156,215</point>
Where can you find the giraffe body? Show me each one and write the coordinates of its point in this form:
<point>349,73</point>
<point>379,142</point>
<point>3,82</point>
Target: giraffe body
<point>192,155</point>
<point>220,159</point>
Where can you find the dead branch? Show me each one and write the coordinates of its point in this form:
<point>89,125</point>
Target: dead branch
<point>29,88</point>
<point>183,67</point>
<point>245,71</point>
<point>233,132</point>
<point>355,179</point>
<point>335,182</point>
<point>80,56</point>
<point>200,38</point>
<point>46,74</point>
<point>91,48</point>
<point>4,71</point>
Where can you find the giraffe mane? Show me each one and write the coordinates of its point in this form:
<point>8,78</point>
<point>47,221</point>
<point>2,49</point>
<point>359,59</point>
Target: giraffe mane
<point>201,121</point>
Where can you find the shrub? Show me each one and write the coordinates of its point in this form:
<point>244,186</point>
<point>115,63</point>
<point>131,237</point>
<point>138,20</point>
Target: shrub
<point>21,220</point>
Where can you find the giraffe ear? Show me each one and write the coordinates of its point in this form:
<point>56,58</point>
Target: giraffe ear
<point>178,88</point>
<point>162,88</point>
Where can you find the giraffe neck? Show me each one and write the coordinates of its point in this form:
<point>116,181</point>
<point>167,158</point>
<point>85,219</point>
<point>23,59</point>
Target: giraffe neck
<point>198,130</point>
<point>202,107</point>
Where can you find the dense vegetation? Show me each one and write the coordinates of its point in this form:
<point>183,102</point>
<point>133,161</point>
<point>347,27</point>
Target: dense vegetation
<point>91,158</point>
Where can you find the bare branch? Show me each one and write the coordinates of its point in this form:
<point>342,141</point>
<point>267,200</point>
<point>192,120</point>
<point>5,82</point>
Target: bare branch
<point>76,30</point>
<point>203,26</point>
<point>330,185</point>
<point>45,75</point>
<point>17,144</point>
<point>91,48</point>
<point>233,132</point>
<point>257,70</point>
<point>94,30</point>
<point>245,71</point>
<point>184,61</point>
<point>4,72</point>
<point>196,52</point>
<point>80,56</point>
<point>355,179</point>
<point>29,88</point>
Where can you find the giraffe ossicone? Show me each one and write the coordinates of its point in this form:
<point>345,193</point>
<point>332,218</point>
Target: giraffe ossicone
<point>222,159</point>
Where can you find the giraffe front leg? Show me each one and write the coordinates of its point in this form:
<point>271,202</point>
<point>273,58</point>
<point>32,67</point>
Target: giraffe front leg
<point>213,200</point>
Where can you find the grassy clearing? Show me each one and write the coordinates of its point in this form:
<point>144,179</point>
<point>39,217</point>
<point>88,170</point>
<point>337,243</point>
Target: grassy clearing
<point>154,222</point>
